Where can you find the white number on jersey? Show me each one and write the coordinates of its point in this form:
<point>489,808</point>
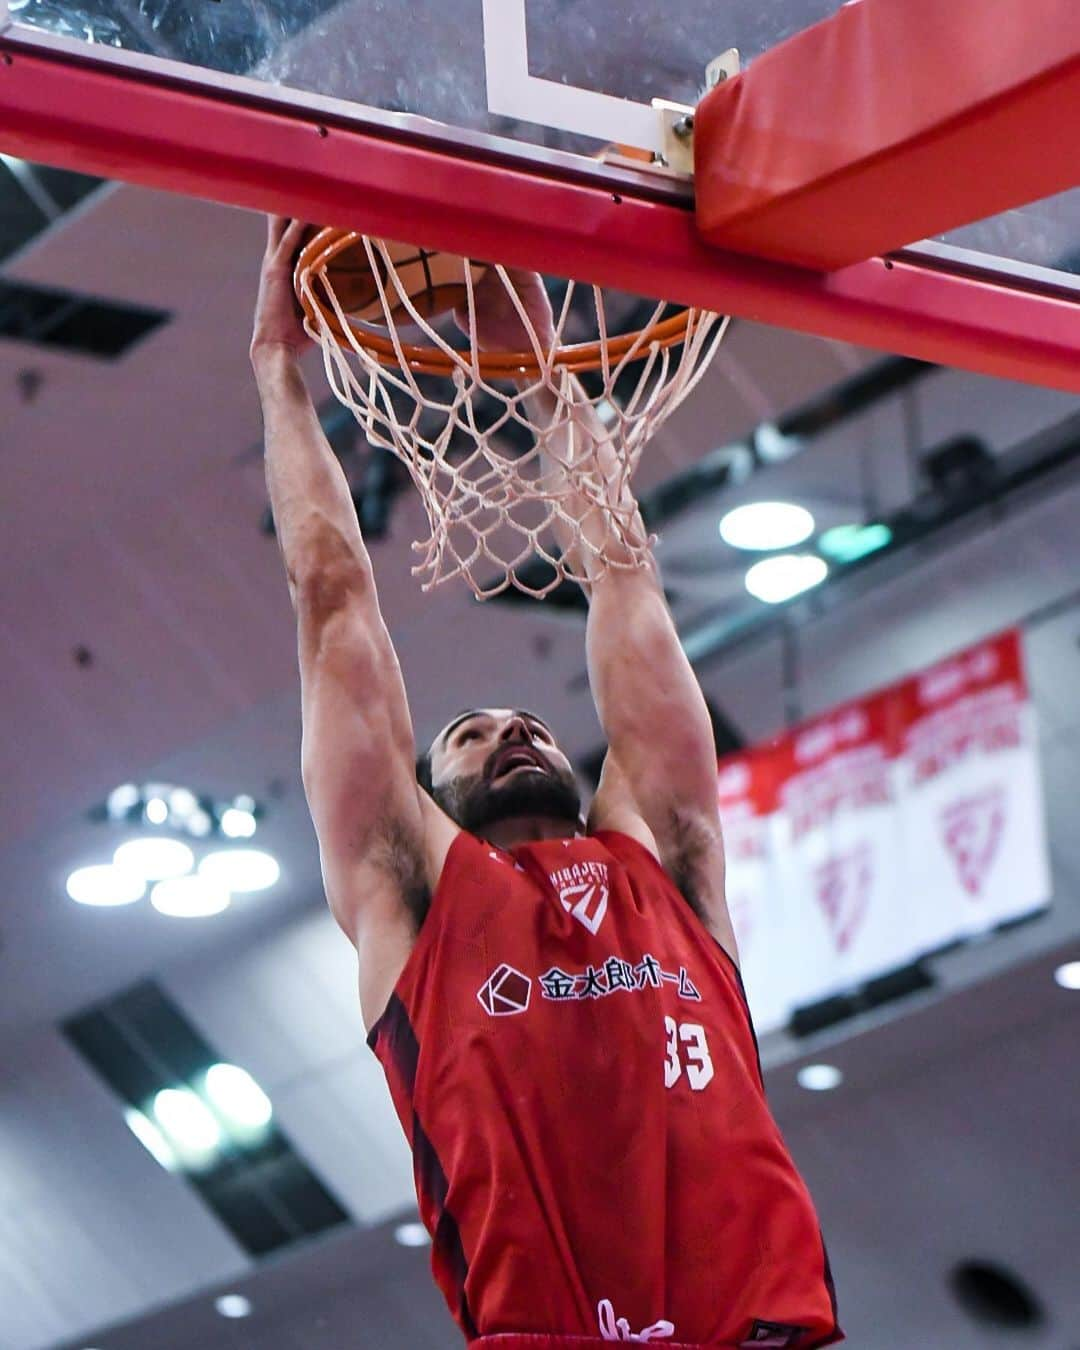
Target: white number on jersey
<point>698,1065</point>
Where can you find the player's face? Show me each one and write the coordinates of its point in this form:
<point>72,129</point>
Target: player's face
<point>499,763</point>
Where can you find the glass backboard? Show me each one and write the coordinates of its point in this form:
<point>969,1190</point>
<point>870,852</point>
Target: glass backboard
<point>564,74</point>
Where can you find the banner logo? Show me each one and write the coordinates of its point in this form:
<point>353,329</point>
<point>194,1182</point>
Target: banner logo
<point>972,828</point>
<point>843,885</point>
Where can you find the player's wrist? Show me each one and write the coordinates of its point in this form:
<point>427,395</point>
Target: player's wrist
<point>271,354</point>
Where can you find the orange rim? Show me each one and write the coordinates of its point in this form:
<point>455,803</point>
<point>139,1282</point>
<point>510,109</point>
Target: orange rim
<point>323,247</point>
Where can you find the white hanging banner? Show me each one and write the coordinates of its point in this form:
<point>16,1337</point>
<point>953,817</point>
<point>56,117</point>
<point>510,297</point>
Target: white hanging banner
<point>746,789</point>
<point>839,847</point>
<point>972,796</point>
<point>884,830</point>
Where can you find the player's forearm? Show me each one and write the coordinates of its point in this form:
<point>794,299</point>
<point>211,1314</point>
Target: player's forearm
<point>607,513</point>
<point>314,515</point>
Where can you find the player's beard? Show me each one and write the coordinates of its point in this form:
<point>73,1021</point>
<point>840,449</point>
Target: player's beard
<point>476,804</point>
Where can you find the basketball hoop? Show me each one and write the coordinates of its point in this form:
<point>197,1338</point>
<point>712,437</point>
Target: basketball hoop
<point>488,508</point>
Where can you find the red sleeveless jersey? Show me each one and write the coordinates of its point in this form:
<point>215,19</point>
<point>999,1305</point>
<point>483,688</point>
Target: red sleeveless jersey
<point>571,1056</point>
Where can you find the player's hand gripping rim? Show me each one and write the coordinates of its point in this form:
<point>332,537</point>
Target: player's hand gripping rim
<point>279,322</point>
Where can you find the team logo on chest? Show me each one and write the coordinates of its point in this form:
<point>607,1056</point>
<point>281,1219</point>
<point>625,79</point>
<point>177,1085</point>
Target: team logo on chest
<point>583,891</point>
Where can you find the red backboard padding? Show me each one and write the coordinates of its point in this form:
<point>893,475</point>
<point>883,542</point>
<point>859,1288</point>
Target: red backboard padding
<point>888,123</point>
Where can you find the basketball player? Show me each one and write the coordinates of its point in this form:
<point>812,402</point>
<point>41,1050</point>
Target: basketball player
<point>557,1004</point>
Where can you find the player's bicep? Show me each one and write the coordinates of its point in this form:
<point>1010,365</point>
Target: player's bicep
<point>614,807</point>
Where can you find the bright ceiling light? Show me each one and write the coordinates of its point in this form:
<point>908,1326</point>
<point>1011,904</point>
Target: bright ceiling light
<point>819,1077</point>
<point>237,824</point>
<point>241,869</point>
<point>1068,975</point>
<point>777,579</point>
<point>237,1097</point>
<point>156,811</point>
<point>190,898</point>
<point>846,543</point>
<point>151,1138</point>
<point>233,1305</point>
<point>766,525</point>
<point>120,801</point>
<point>411,1235</point>
<point>182,802</point>
<point>188,1124</point>
<point>154,859</point>
<point>105,885</point>
<point>199,824</point>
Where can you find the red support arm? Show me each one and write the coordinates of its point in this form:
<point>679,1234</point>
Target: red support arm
<point>123,123</point>
<point>890,122</point>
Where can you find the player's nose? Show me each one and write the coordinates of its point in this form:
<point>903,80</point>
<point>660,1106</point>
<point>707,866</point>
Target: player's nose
<point>516,729</point>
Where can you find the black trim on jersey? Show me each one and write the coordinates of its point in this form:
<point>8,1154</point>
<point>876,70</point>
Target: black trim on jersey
<point>746,1007</point>
<point>829,1283</point>
<point>403,1049</point>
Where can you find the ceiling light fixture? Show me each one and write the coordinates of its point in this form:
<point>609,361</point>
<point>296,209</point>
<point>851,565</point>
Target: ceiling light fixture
<point>847,543</point>
<point>411,1235</point>
<point>180,809</point>
<point>233,1305</point>
<point>105,885</point>
<point>237,1097</point>
<point>760,526</point>
<point>819,1077</point>
<point>775,580</point>
<point>1068,975</point>
<point>190,898</point>
<point>154,858</point>
<point>237,824</point>
<point>240,869</point>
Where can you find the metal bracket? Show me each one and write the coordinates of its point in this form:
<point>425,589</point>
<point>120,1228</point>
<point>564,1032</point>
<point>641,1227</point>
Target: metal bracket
<point>677,131</point>
<point>676,124</point>
<point>723,67</point>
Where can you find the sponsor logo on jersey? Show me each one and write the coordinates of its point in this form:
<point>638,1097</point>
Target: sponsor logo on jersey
<point>614,976</point>
<point>972,828</point>
<point>505,992</point>
<point>583,891</point>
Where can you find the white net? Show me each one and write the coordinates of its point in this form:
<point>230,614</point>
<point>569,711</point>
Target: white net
<point>515,459</point>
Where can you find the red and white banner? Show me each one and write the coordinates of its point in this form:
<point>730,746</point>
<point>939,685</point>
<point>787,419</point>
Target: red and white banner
<point>747,794</point>
<point>885,829</point>
<point>971,793</point>
<point>838,832</point>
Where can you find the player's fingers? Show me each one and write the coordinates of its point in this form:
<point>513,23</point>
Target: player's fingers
<point>522,278</point>
<point>292,241</point>
<point>275,227</point>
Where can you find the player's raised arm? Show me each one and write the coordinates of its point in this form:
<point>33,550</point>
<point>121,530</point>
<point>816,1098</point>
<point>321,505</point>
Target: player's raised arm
<point>662,760</point>
<point>375,839</point>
